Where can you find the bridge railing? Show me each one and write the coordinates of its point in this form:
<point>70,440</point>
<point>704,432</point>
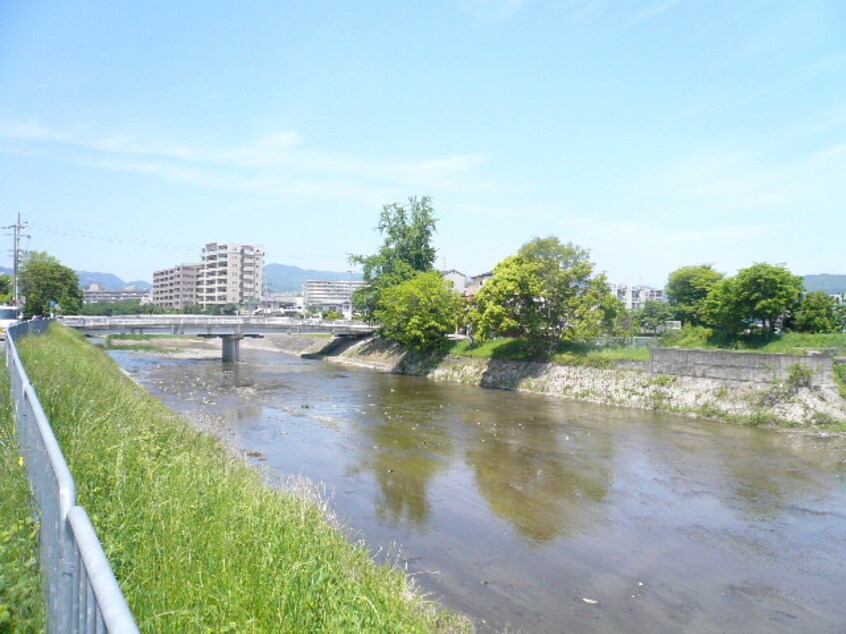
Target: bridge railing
<point>82,592</point>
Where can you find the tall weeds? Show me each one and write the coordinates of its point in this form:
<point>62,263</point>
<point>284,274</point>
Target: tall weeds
<point>198,542</point>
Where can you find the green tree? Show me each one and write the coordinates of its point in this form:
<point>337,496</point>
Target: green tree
<point>653,314</point>
<point>43,279</point>
<point>756,299</point>
<point>5,289</point>
<point>619,321</point>
<point>419,312</point>
<point>546,293</point>
<point>687,290</point>
<point>406,250</point>
<point>819,312</point>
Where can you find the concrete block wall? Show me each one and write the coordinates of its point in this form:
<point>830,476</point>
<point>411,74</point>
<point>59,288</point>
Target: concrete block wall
<point>739,366</point>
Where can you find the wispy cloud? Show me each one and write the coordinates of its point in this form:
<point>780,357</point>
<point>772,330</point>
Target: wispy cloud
<point>278,164</point>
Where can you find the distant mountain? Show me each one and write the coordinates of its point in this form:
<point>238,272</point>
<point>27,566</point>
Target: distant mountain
<point>108,281</point>
<point>284,278</point>
<point>278,278</point>
<point>825,282</point>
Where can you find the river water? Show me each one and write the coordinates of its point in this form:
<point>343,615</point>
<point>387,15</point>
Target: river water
<point>534,514</point>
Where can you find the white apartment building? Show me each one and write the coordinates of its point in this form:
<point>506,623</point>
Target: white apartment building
<point>458,279</point>
<point>96,294</point>
<point>634,297</point>
<point>230,273</point>
<point>330,295</point>
<point>176,287</point>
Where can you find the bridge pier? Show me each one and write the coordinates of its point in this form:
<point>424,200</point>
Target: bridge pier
<point>231,348</point>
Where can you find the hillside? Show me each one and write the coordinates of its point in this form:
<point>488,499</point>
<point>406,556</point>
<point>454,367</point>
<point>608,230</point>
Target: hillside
<point>108,281</point>
<point>825,282</point>
<point>284,278</point>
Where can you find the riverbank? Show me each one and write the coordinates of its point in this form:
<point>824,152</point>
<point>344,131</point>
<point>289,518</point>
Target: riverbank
<point>263,560</point>
<point>785,403</point>
<point>788,402</point>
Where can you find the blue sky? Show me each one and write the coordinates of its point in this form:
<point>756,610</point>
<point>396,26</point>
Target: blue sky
<point>656,134</point>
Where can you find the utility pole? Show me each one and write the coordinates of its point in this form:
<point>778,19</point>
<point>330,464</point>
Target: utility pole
<point>16,256</point>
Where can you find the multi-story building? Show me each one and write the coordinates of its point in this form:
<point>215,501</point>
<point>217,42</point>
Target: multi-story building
<point>96,294</point>
<point>330,295</point>
<point>176,287</point>
<point>230,274</point>
<point>476,283</point>
<point>458,279</point>
<point>634,297</point>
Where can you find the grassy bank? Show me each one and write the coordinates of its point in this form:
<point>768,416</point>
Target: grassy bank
<point>21,600</point>
<point>197,541</point>
<point>568,353</point>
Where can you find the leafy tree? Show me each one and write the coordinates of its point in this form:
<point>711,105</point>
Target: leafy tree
<point>406,251</point>
<point>687,290</point>
<point>332,315</point>
<point>5,289</point>
<point>419,312</point>
<point>546,293</point>
<point>619,321</point>
<point>757,298</point>
<point>819,312</point>
<point>653,315</point>
<point>43,279</point>
<point>768,293</point>
<point>124,307</point>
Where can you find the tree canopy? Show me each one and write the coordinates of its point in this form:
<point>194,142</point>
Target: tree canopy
<point>545,293</point>
<point>653,315</point>
<point>406,250</point>
<point>819,312</point>
<point>419,312</point>
<point>44,280</point>
<point>758,298</point>
<point>688,289</point>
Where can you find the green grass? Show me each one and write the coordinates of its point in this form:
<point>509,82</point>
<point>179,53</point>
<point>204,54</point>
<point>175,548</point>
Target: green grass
<point>198,542</point>
<point>21,599</point>
<point>568,353</point>
<point>789,343</point>
<point>840,377</point>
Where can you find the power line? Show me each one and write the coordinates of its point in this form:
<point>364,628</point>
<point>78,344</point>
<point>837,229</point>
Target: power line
<point>116,239</point>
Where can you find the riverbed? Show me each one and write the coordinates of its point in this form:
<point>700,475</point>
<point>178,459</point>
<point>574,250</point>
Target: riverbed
<point>536,514</point>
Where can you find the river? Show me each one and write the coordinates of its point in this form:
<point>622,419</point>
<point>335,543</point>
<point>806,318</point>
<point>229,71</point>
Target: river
<point>534,514</point>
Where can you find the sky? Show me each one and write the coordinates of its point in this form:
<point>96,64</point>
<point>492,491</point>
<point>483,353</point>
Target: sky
<point>655,134</point>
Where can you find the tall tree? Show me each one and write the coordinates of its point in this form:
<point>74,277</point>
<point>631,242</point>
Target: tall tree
<point>757,298</point>
<point>819,312</point>
<point>44,281</point>
<point>406,250</point>
<point>653,315</point>
<point>687,290</point>
<point>419,312</point>
<point>546,293</point>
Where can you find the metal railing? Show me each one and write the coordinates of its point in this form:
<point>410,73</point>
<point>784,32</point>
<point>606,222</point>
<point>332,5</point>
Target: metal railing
<point>82,592</point>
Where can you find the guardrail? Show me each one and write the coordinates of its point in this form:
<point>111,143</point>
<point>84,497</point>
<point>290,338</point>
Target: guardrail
<point>82,592</point>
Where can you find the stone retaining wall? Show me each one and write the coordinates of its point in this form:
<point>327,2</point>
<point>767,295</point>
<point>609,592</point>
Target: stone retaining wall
<point>739,366</point>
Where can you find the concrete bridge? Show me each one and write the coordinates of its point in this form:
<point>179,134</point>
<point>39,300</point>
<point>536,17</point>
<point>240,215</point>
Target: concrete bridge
<point>230,330</point>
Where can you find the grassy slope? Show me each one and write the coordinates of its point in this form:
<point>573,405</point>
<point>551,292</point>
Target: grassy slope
<point>197,541</point>
<point>21,601</point>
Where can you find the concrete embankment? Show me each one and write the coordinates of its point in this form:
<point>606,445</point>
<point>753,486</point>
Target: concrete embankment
<point>724,387</point>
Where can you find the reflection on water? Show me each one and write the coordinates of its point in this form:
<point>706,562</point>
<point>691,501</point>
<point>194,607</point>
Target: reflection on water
<point>544,515</point>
